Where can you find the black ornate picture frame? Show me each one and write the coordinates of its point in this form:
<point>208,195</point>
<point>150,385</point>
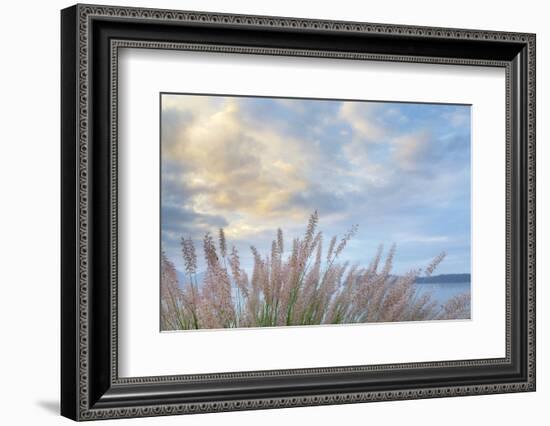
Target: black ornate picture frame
<point>91,37</point>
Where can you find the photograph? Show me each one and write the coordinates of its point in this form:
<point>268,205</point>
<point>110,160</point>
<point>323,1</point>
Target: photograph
<point>267,208</point>
<point>301,212</point>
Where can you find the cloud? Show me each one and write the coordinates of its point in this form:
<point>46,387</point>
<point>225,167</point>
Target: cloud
<point>457,117</point>
<point>251,165</point>
<point>221,162</point>
<point>410,150</point>
<point>188,223</point>
<point>361,117</point>
<point>421,239</point>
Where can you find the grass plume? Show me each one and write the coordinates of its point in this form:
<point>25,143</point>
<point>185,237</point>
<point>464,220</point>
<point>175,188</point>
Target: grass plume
<point>305,287</point>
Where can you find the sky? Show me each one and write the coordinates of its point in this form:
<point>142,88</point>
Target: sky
<point>250,165</point>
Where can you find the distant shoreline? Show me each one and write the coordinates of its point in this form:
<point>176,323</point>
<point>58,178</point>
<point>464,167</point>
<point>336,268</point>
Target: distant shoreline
<point>444,278</point>
<point>439,279</point>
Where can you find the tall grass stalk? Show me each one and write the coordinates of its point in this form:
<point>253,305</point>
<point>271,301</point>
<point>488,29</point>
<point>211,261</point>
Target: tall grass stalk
<point>303,287</point>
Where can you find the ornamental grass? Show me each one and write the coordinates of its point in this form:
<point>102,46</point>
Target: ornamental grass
<point>305,285</point>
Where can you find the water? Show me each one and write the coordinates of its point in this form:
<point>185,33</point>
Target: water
<point>442,292</point>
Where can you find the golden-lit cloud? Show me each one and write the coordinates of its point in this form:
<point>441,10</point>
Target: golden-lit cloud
<point>244,170</point>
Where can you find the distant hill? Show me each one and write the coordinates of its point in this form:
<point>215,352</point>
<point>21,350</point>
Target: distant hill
<point>444,278</point>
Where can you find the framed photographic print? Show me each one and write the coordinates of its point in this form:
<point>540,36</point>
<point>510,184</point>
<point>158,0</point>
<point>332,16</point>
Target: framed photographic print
<point>263,212</point>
